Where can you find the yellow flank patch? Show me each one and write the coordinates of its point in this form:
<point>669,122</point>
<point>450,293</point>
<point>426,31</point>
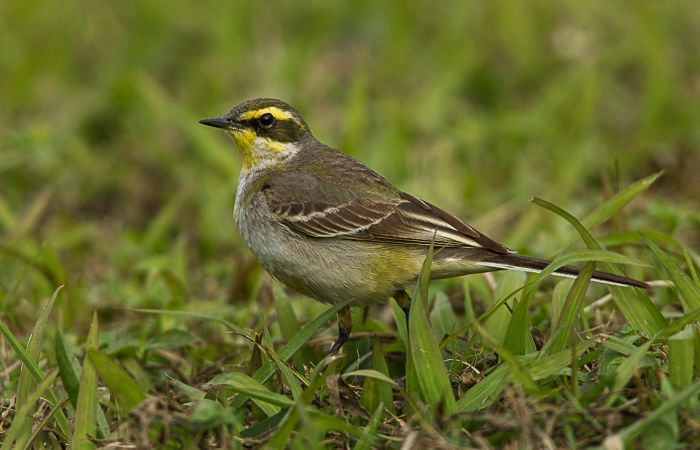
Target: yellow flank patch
<point>277,113</point>
<point>391,263</point>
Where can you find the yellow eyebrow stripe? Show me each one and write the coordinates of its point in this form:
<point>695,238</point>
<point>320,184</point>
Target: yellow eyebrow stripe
<point>277,113</point>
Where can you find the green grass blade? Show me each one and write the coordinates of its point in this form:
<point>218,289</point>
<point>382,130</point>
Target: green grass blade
<point>383,390</point>
<point>626,435</point>
<point>426,356</point>
<point>509,284</point>
<point>618,201</point>
<point>400,320</point>
<point>34,347</point>
<point>290,348</point>
<point>67,367</point>
<point>40,427</point>
<point>86,411</point>
<point>487,390</point>
<point>192,392</point>
<point>520,374</point>
<point>638,309</point>
<point>270,402</point>
<point>127,393</point>
<point>208,415</point>
<point>413,386</point>
<point>292,378</point>
<point>691,267</point>
<point>620,345</point>
<point>69,371</point>
<point>625,371</point>
<point>677,325</point>
<point>492,309</point>
<point>369,434</point>
<point>582,231</point>
<point>289,324</point>
<point>36,373</point>
<point>518,339</point>
<point>636,306</point>
<point>550,365</point>
<point>469,314</point>
<point>299,339</point>
<point>283,431</point>
<point>23,416</point>
<point>26,381</point>
<point>286,318</point>
<point>688,290</point>
<point>281,436</point>
<point>681,358</point>
<point>191,314</point>
<point>369,373</point>
<point>559,294</point>
<point>442,317</point>
<point>570,312</point>
<point>289,373</point>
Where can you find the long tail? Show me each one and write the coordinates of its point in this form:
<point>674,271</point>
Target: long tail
<point>529,264</point>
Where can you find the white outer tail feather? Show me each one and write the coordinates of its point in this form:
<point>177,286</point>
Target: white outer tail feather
<point>496,265</point>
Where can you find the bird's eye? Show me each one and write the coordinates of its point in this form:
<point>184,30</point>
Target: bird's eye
<point>267,120</point>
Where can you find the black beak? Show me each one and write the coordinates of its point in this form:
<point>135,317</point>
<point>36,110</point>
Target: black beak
<point>219,122</point>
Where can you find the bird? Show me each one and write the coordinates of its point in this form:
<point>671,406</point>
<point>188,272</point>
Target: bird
<point>324,224</point>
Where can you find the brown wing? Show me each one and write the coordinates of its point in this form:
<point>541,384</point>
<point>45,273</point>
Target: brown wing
<point>427,222</point>
<point>350,220</point>
<point>402,220</point>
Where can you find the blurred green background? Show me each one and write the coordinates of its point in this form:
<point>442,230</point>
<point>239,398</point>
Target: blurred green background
<point>108,184</point>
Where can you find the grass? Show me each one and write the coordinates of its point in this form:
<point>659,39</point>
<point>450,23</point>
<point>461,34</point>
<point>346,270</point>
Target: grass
<point>165,333</point>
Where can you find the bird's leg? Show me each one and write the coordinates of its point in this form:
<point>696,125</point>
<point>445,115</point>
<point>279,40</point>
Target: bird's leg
<point>344,329</point>
<point>404,301</point>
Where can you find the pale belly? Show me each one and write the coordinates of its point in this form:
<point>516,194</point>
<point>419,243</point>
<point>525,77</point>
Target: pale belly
<point>329,270</point>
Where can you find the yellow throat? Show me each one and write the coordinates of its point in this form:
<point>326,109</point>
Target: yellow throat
<point>259,152</point>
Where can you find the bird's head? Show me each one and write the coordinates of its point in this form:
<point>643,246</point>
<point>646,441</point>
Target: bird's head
<point>266,130</point>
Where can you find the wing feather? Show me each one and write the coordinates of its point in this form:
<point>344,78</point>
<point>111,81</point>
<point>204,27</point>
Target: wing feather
<point>399,222</point>
<point>394,217</point>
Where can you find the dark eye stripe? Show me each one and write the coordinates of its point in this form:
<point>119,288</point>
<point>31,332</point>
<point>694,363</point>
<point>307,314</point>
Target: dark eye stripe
<point>281,130</point>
